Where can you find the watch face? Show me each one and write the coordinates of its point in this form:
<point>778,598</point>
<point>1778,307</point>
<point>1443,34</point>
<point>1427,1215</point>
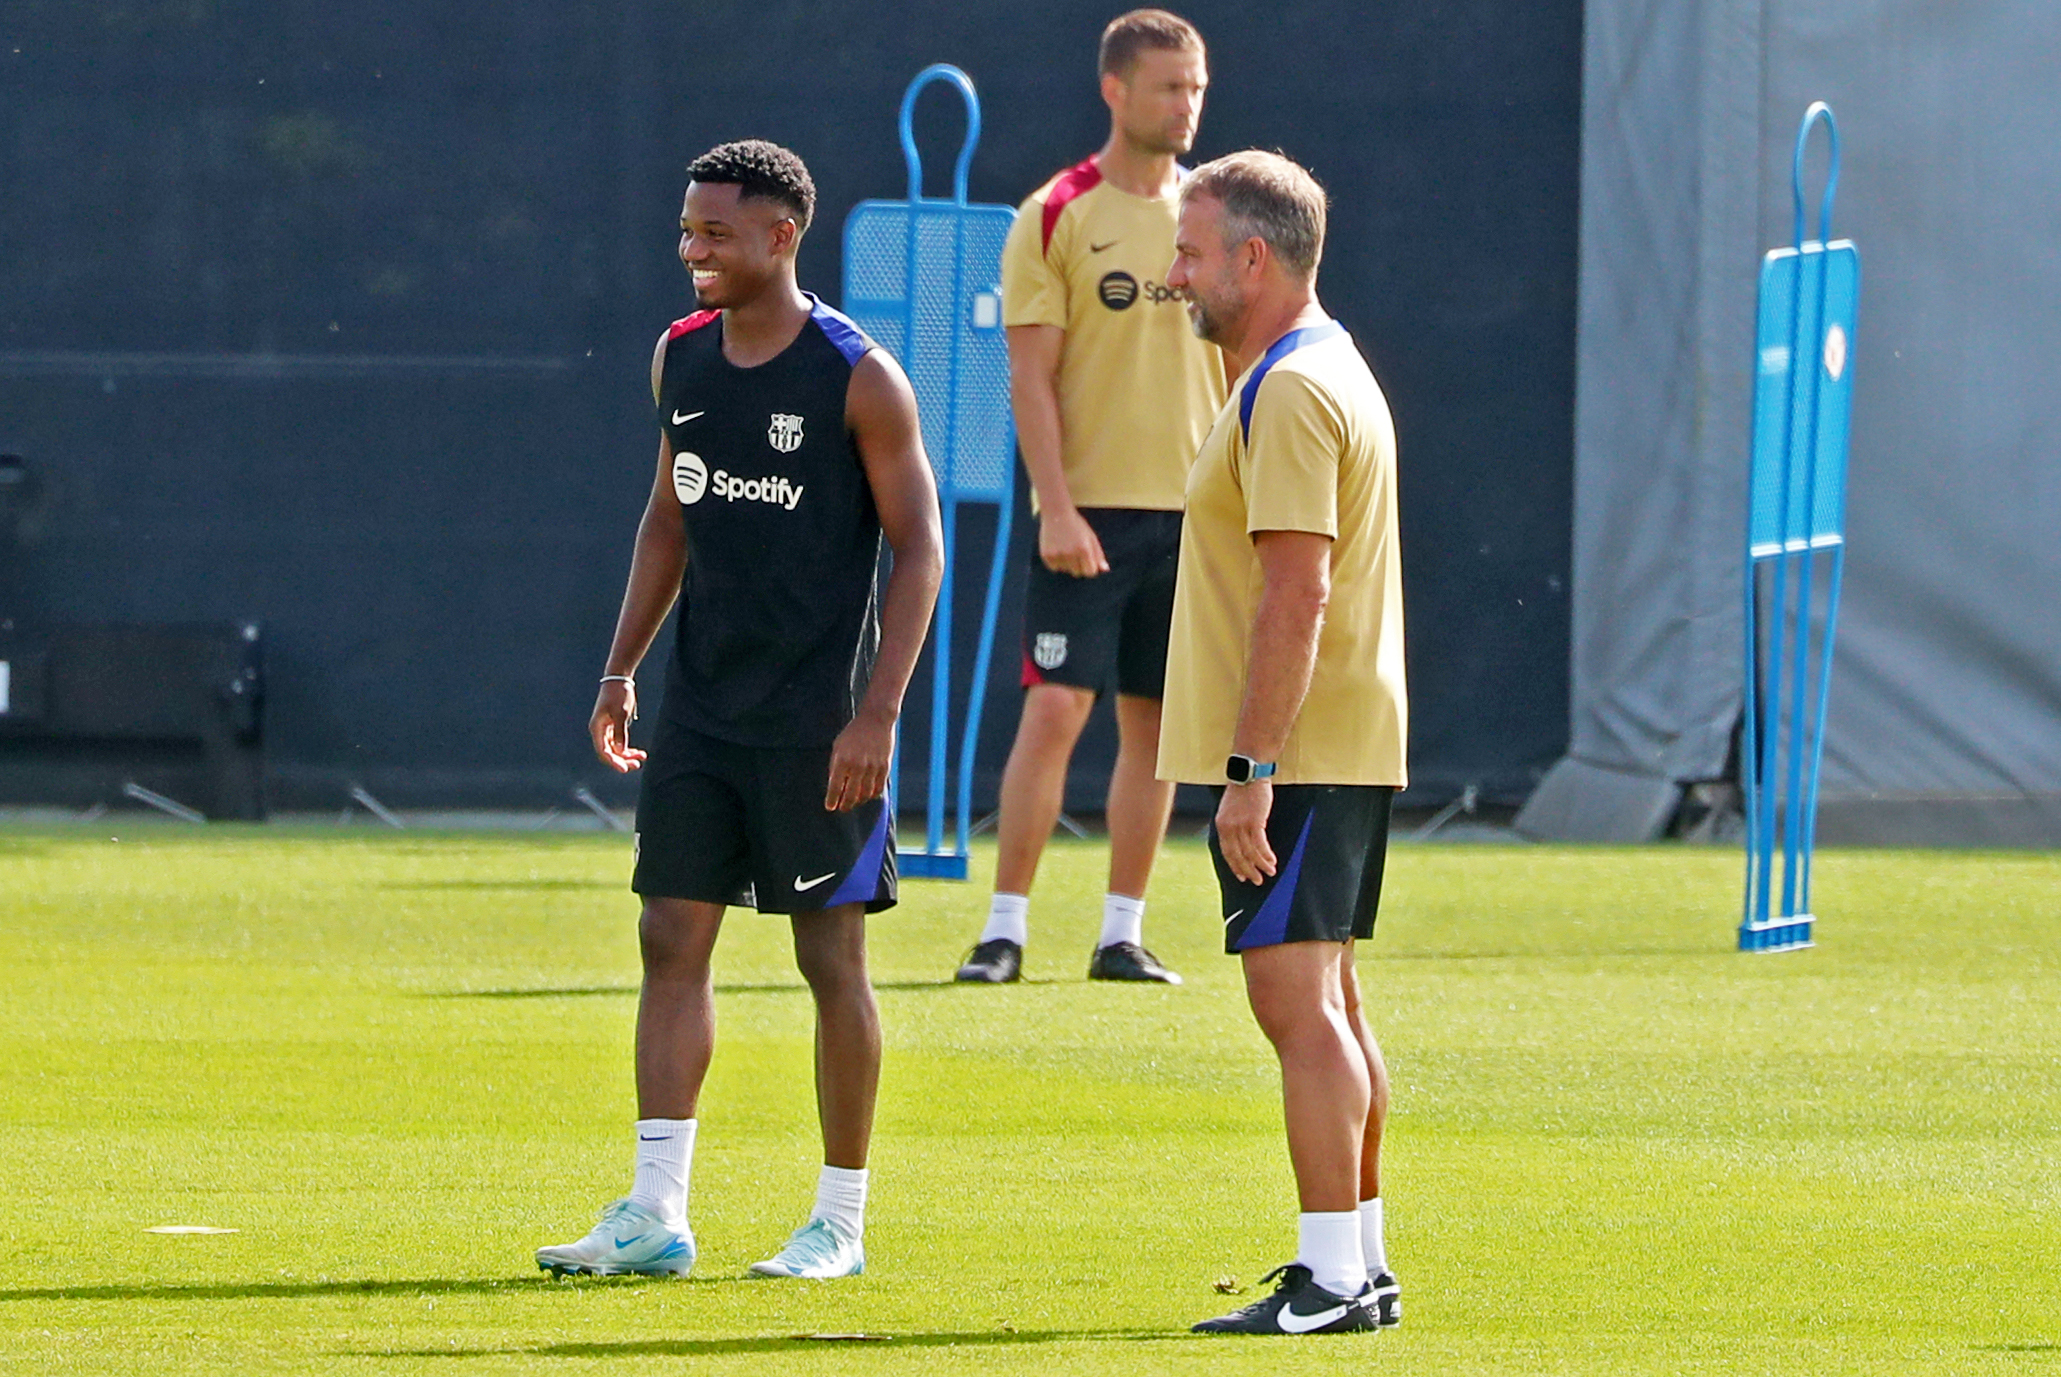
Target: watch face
<point>1238,769</point>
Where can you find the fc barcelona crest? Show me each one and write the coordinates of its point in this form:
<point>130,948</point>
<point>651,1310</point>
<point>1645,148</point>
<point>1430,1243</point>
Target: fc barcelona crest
<point>1048,650</point>
<point>785,434</point>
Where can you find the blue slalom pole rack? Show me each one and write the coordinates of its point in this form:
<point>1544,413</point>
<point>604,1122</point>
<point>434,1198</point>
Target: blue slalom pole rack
<point>1796,525</point>
<point>923,277</point>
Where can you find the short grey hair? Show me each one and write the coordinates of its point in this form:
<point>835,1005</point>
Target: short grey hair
<point>1267,197</point>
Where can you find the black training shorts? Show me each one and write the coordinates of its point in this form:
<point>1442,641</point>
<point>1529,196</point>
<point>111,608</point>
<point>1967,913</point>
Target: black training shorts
<point>730,824</point>
<point>1330,843</point>
<point>1090,633</point>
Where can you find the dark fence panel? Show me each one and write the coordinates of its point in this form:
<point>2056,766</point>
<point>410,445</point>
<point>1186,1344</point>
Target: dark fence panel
<point>336,319</point>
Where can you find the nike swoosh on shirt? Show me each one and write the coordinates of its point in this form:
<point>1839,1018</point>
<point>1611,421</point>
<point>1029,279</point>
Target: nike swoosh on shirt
<point>1292,1323</point>
<point>680,420</point>
<point>1232,916</point>
<point>1097,248</point>
<point>801,884</point>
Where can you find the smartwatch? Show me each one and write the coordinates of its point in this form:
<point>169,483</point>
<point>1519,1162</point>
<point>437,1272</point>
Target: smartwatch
<point>1243,769</point>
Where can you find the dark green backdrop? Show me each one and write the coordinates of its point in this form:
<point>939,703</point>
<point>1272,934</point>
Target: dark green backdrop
<point>338,318</point>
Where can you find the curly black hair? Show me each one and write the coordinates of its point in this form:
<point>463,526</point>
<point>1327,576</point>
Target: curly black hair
<point>762,170</point>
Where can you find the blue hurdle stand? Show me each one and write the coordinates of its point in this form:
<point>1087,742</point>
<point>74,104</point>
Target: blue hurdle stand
<point>923,277</point>
<point>1796,519</point>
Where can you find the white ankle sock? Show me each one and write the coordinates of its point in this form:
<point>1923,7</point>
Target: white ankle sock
<point>841,1199</point>
<point>1008,918</point>
<point>665,1155</point>
<point>1123,920</point>
<point>1330,1248</point>
<point>1372,1244</point>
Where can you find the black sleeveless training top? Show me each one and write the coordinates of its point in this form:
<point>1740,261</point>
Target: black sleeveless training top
<point>778,622</point>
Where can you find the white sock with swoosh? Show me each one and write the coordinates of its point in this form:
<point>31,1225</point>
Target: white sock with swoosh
<point>665,1155</point>
<point>1330,1248</point>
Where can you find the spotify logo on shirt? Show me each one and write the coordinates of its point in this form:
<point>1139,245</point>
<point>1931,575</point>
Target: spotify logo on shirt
<point>1118,290</point>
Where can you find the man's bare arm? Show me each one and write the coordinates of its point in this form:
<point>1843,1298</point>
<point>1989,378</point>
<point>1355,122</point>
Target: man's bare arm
<point>1066,543</point>
<point>1295,573</point>
<point>656,563</point>
<point>881,410</point>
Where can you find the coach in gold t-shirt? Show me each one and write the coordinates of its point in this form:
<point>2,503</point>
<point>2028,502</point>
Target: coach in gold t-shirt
<point>1112,393</point>
<point>1285,691</point>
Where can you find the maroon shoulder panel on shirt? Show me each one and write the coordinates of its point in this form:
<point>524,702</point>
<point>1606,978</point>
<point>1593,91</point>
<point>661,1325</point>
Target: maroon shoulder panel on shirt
<point>1081,177</point>
<point>692,323</point>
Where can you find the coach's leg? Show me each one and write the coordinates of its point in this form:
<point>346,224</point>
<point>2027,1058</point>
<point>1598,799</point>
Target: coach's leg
<point>1388,1299</point>
<point>676,1012</point>
<point>1034,780</point>
<point>1377,1077</point>
<point>830,950</point>
<point>1139,801</point>
<point>1296,996</point>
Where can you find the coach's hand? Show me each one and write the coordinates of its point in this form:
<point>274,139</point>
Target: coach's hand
<point>1069,545</point>
<point>859,760</point>
<point>615,708</point>
<point>1242,830</point>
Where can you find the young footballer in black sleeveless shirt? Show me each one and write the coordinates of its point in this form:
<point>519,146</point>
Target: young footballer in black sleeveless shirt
<point>788,445</point>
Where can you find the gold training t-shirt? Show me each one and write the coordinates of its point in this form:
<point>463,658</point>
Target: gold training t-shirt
<point>1305,443</point>
<point>1136,387</point>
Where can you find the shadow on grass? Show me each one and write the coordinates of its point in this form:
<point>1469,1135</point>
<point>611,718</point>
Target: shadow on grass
<point>305,1290</point>
<point>1379,957</point>
<point>583,991</point>
<point>512,886</point>
<point>694,1348</point>
<point>2016,1348</point>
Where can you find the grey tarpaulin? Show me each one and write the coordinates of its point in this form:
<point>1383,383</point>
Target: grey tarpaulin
<point>1946,698</point>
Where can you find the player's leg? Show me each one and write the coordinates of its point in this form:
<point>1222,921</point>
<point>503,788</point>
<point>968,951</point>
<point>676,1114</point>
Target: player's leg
<point>1070,628</point>
<point>1139,801</point>
<point>827,870</point>
<point>676,1007</point>
<point>830,950</point>
<point>690,862</point>
<point>1033,790</point>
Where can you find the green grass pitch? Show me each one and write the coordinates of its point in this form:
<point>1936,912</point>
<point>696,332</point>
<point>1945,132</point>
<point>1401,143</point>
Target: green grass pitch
<point>397,1063</point>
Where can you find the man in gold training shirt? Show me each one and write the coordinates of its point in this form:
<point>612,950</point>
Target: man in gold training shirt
<point>1112,394</point>
<point>1285,693</point>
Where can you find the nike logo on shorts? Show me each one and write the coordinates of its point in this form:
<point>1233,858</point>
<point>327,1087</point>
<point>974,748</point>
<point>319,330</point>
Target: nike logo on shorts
<point>1232,916</point>
<point>800,884</point>
<point>1097,248</point>
<point>681,420</point>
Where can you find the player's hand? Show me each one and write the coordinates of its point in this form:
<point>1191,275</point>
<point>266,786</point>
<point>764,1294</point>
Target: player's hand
<point>615,708</point>
<point>1068,544</point>
<point>1242,830</point>
<point>859,760</point>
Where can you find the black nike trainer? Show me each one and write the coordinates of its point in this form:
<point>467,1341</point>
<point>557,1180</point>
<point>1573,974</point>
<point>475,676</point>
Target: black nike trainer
<point>1298,1306</point>
<point>1128,961</point>
<point>1385,1299</point>
<point>996,961</point>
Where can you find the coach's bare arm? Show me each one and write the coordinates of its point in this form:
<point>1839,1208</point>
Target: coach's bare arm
<point>1295,573</point>
<point>1066,542</point>
<point>880,408</point>
<point>657,562</point>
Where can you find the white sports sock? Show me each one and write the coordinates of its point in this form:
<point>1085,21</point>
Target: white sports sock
<point>1008,918</point>
<point>1372,1244</point>
<point>841,1199</point>
<point>1123,920</point>
<point>1330,1248</point>
<point>665,1155</point>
